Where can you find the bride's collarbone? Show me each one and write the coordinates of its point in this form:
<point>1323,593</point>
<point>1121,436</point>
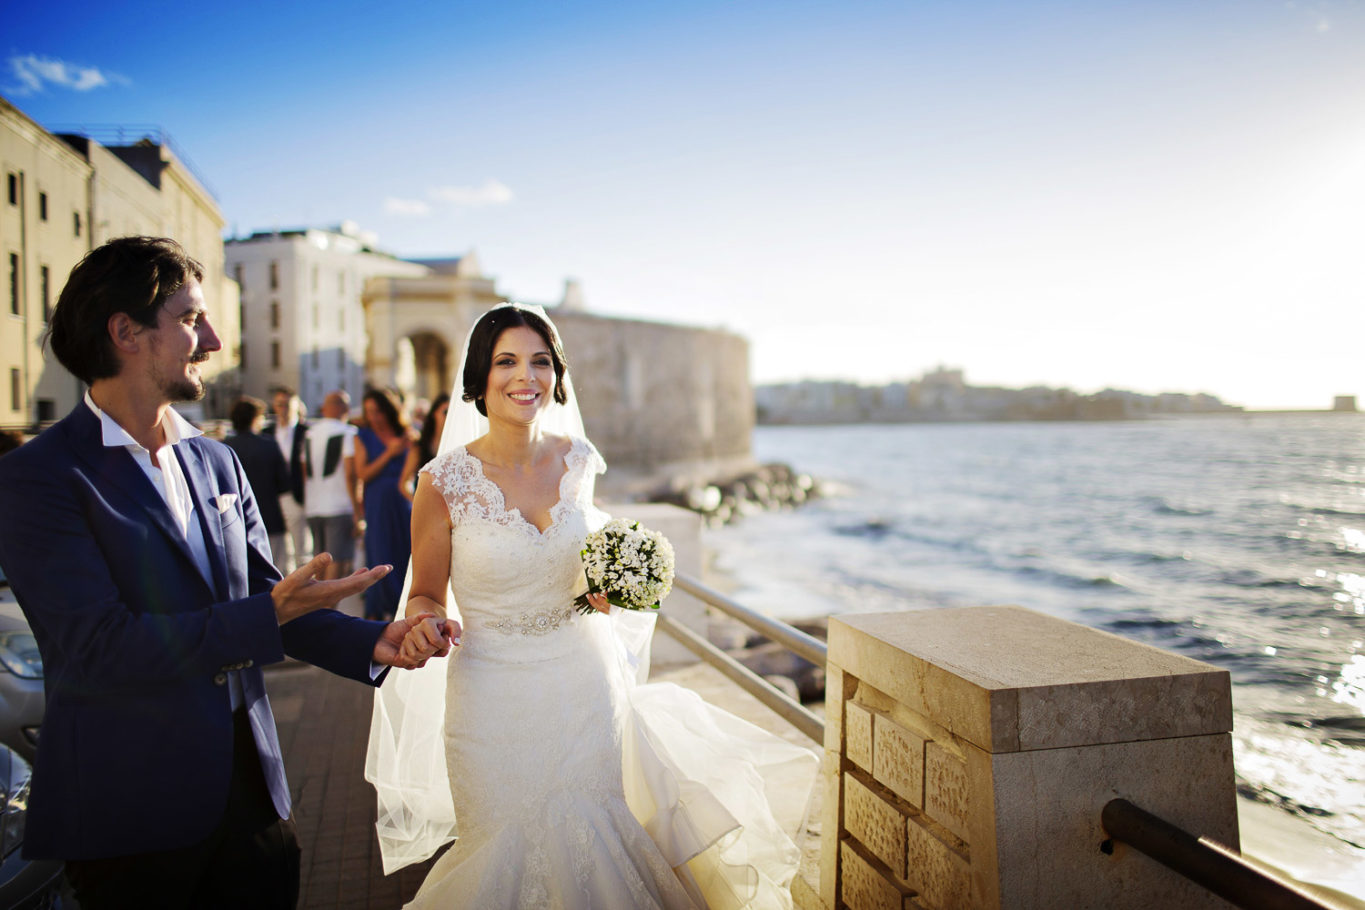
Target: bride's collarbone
<point>532,489</point>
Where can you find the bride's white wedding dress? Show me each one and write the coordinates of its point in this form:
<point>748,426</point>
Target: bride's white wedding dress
<point>573,785</point>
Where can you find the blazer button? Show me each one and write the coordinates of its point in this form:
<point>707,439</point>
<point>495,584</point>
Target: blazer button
<point>220,679</point>
<point>248,665</point>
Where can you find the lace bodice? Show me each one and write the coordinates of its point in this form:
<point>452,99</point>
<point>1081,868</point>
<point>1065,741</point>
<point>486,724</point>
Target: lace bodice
<point>508,577</point>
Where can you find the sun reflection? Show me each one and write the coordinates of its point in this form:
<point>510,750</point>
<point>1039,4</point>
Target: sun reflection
<point>1354,540</point>
<point>1349,688</point>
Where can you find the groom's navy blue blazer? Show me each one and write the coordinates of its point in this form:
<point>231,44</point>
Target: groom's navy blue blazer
<point>135,753</point>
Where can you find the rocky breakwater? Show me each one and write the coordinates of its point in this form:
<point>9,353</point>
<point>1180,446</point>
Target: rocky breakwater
<point>771,486</point>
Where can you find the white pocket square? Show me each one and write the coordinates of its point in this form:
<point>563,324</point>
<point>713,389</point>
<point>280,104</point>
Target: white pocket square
<point>225,501</point>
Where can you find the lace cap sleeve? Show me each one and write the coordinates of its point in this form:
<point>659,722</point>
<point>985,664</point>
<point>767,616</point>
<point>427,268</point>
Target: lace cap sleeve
<point>587,455</point>
<point>451,476</point>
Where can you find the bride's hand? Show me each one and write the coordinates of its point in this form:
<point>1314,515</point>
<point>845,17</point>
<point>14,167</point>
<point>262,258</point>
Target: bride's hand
<point>599,602</point>
<point>408,643</point>
<point>430,636</point>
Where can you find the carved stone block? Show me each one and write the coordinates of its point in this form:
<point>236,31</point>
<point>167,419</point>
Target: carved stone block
<point>945,789</point>
<point>865,886</point>
<point>878,824</point>
<point>858,735</point>
<point>898,759</point>
<point>940,875</point>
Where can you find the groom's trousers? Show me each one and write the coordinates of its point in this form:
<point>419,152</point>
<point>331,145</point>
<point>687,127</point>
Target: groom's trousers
<point>250,860</point>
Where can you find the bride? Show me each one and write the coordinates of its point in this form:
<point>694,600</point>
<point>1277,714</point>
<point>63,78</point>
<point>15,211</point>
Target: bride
<point>569,782</point>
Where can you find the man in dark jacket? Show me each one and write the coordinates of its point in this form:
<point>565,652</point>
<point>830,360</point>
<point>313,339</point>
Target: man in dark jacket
<point>289,431</point>
<point>265,468</point>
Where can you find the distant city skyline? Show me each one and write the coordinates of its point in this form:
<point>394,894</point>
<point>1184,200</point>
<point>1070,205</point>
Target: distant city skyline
<point>1157,197</point>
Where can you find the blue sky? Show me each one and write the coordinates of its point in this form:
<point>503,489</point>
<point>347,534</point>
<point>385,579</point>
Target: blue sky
<point>1156,196</point>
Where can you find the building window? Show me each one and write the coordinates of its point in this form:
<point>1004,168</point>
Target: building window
<point>274,275</point>
<point>341,282</point>
<point>16,390</point>
<point>44,281</point>
<point>13,189</point>
<point>341,318</point>
<point>241,355</point>
<point>42,206</point>
<point>317,317</point>
<point>241,317</point>
<point>341,360</point>
<point>315,357</point>
<point>76,224</point>
<point>315,279</point>
<point>274,355</point>
<point>47,410</point>
<point>237,274</point>
<point>14,283</point>
<point>274,314</point>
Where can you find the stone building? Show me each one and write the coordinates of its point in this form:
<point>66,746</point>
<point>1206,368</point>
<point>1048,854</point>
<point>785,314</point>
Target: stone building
<point>303,319</point>
<point>67,194</point>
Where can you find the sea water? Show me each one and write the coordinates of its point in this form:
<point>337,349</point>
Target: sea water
<point>1237,540</point>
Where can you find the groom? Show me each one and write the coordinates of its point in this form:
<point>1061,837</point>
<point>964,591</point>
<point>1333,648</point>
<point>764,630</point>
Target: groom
<point>137,552</point>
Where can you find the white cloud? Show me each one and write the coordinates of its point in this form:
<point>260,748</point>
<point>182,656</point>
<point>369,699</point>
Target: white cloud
<point>34,73</point>
<point>490,192</point>
<point>406,207</point>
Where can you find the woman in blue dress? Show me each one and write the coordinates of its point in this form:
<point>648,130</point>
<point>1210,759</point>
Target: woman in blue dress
<point>384,443</point>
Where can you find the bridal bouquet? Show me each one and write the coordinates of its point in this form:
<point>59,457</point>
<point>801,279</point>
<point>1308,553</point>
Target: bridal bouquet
<point>632,565</point>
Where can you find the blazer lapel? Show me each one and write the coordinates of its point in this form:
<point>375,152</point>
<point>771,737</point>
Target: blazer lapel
<point>115,465</point>
<point>204,492</point>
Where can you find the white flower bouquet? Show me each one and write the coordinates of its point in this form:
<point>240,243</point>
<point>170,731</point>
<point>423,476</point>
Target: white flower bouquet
<point>632,565</point>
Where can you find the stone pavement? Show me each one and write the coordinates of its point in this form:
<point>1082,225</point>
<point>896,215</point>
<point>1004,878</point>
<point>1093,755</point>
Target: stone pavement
<point>324,726</point>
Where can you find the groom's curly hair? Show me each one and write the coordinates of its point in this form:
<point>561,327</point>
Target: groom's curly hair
<point>479,360</point>
<point>133,275</point>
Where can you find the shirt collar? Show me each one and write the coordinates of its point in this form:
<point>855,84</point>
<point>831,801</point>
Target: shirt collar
<point>176,427</point>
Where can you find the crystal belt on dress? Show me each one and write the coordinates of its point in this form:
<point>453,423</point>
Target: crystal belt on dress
<point>537,622</point>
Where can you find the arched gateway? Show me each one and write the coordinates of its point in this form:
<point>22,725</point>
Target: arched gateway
<point>416,326</point>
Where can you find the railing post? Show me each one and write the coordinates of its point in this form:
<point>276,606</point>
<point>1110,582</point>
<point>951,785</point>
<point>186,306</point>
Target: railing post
<point>970,751</point>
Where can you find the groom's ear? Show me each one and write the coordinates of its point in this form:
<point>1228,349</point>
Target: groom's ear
<point>125,334</point>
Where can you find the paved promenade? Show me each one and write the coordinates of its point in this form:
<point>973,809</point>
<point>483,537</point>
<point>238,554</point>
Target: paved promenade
<point>324,725</point>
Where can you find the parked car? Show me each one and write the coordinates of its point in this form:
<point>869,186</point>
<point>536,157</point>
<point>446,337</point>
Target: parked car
<point>21,678</point>
<point>24,884</point>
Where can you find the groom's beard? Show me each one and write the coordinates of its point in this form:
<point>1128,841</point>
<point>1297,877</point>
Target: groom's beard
<point>184,388</point>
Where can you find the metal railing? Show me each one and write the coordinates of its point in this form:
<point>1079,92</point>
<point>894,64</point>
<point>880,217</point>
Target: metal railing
<point>805,646</point>
<point>1205,862</point>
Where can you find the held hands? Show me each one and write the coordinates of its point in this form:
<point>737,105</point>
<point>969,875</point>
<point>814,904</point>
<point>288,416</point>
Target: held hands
<point>409,643</point>
<point>301,592</point>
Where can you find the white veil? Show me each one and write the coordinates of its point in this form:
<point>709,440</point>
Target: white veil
<point>406,759</point>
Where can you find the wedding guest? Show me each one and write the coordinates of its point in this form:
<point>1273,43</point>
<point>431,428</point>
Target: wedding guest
<point>428,441</point>
<point>158,777</point>
<point>329,493</point>
<point>290,431</point>
<point>265,468</point>
<point>382,446</point>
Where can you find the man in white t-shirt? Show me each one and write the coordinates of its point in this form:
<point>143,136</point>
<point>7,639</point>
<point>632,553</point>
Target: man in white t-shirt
<point>329,494</point>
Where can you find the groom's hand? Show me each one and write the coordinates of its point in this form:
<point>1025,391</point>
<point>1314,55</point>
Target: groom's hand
<point>409,643</point>
<point>301,592</point>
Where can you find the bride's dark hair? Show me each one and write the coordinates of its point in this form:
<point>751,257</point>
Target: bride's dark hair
<point>479,360</point>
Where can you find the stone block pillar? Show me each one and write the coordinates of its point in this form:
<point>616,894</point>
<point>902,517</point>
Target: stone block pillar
<point>969,752</point>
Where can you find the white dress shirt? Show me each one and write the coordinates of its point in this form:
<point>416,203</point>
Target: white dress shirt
<point>169,479</point>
